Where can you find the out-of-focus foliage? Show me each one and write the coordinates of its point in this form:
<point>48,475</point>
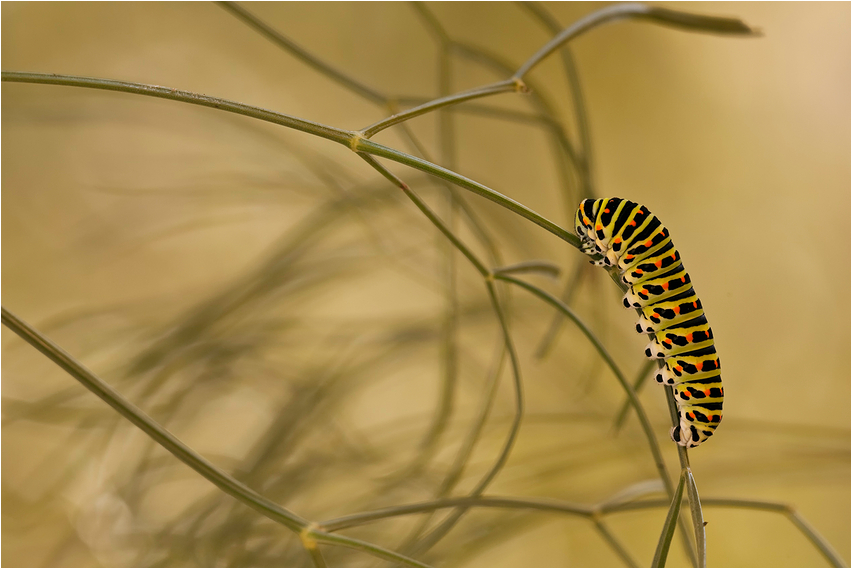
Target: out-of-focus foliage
<point>289,314</point>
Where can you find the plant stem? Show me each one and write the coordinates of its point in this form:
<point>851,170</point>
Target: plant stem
<point>167,440</point>
<point>509,85</point>
<point>635,10</point>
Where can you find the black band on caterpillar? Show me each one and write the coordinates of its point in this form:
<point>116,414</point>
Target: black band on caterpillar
<point>623,234</point>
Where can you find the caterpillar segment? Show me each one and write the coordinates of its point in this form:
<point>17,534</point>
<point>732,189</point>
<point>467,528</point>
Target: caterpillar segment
<point>675,341</point>
<point>672,283</point>
<point>684,368</point>
<point>682,308</point>
<point>626,235</point>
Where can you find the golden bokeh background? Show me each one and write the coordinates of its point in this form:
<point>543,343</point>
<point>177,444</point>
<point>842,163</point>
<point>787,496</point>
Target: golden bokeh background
<point>192,259</point>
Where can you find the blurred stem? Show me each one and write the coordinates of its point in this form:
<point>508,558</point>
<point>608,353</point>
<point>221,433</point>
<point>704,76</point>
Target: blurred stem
<point>447,248</point>
<point>540,267</point>
<point>351,140</point>
<point>373,95</point>
<point>359,519</point>
<point>445,526</point>
<point>571,287</point>
<point>681,451</point>
<point>370,147</point>
<point>613,542</point>
<point>786,510</point>
<point>182,452</point>
<point>641,377</point>
<point>634,400</point>
<point>427,211</point>
<point>440,531</point>
<point>584,156</point>
<point>284,42</point>
<point>153,429</point>
<point>617,12</point>
<point>333,539</point>
<point>669,526</point>
<point>506,86</point>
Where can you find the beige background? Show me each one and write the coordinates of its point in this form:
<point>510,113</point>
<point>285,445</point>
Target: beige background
<point>131,210</point>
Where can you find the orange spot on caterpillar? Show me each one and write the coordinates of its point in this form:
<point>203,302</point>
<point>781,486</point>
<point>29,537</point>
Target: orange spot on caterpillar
<point>633,222</point>
<point>599,227</point>
<point>679,368</point>
<point>659,263</point>
<point>689,337</point>
<point>699,366</point>
<point>695,304</point>
<point>606,210</point>
<point>707,392</point>
<point>617,240</point>
<point>666,286</point>
<point>677,309</point>
<point>648,243</point>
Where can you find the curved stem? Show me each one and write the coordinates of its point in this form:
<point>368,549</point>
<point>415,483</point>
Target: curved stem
<point>305,56</point>
<point>682,454</point>
<point>509,85</point>
<point>153,429</point>
<point>168,441</point>
<point>344,137</point>
<point>617,12</point>
<point>370,147</point>
<point>465,501</point>
<point>324,131</point>
<point>631,394</point>
<point>447,524</point>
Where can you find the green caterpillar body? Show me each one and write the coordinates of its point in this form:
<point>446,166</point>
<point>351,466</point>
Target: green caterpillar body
<point>626,235</point>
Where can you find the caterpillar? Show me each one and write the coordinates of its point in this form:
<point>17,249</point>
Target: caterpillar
<point>620,233</point>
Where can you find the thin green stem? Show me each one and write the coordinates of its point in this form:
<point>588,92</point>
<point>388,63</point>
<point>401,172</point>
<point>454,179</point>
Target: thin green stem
<point>682,454</point>
<point>617,12</point>
<point>346,138</point>
<point>669,526</point>
<point>439,532</point>
<point>697,517</point>
<point>571,288</point>
<point>436,534</point>
<point>323,131</point>
<point>641,377</point>
<point>465,501</point>
<point>370,147</point>
<point>427,211</point>
<point>153,429</point>
<point>316,555</point>
<point>321,536</point>
<point>540,267</point>
<point>509,85</point>
<point>634,400</point>
<point>584,156</point>
<point>613,542</point>
<point>816,539</point>
<point>281,41</point>
<point>182,452</point>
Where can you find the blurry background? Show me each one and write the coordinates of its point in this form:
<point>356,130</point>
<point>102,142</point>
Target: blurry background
<point>290,315</point>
